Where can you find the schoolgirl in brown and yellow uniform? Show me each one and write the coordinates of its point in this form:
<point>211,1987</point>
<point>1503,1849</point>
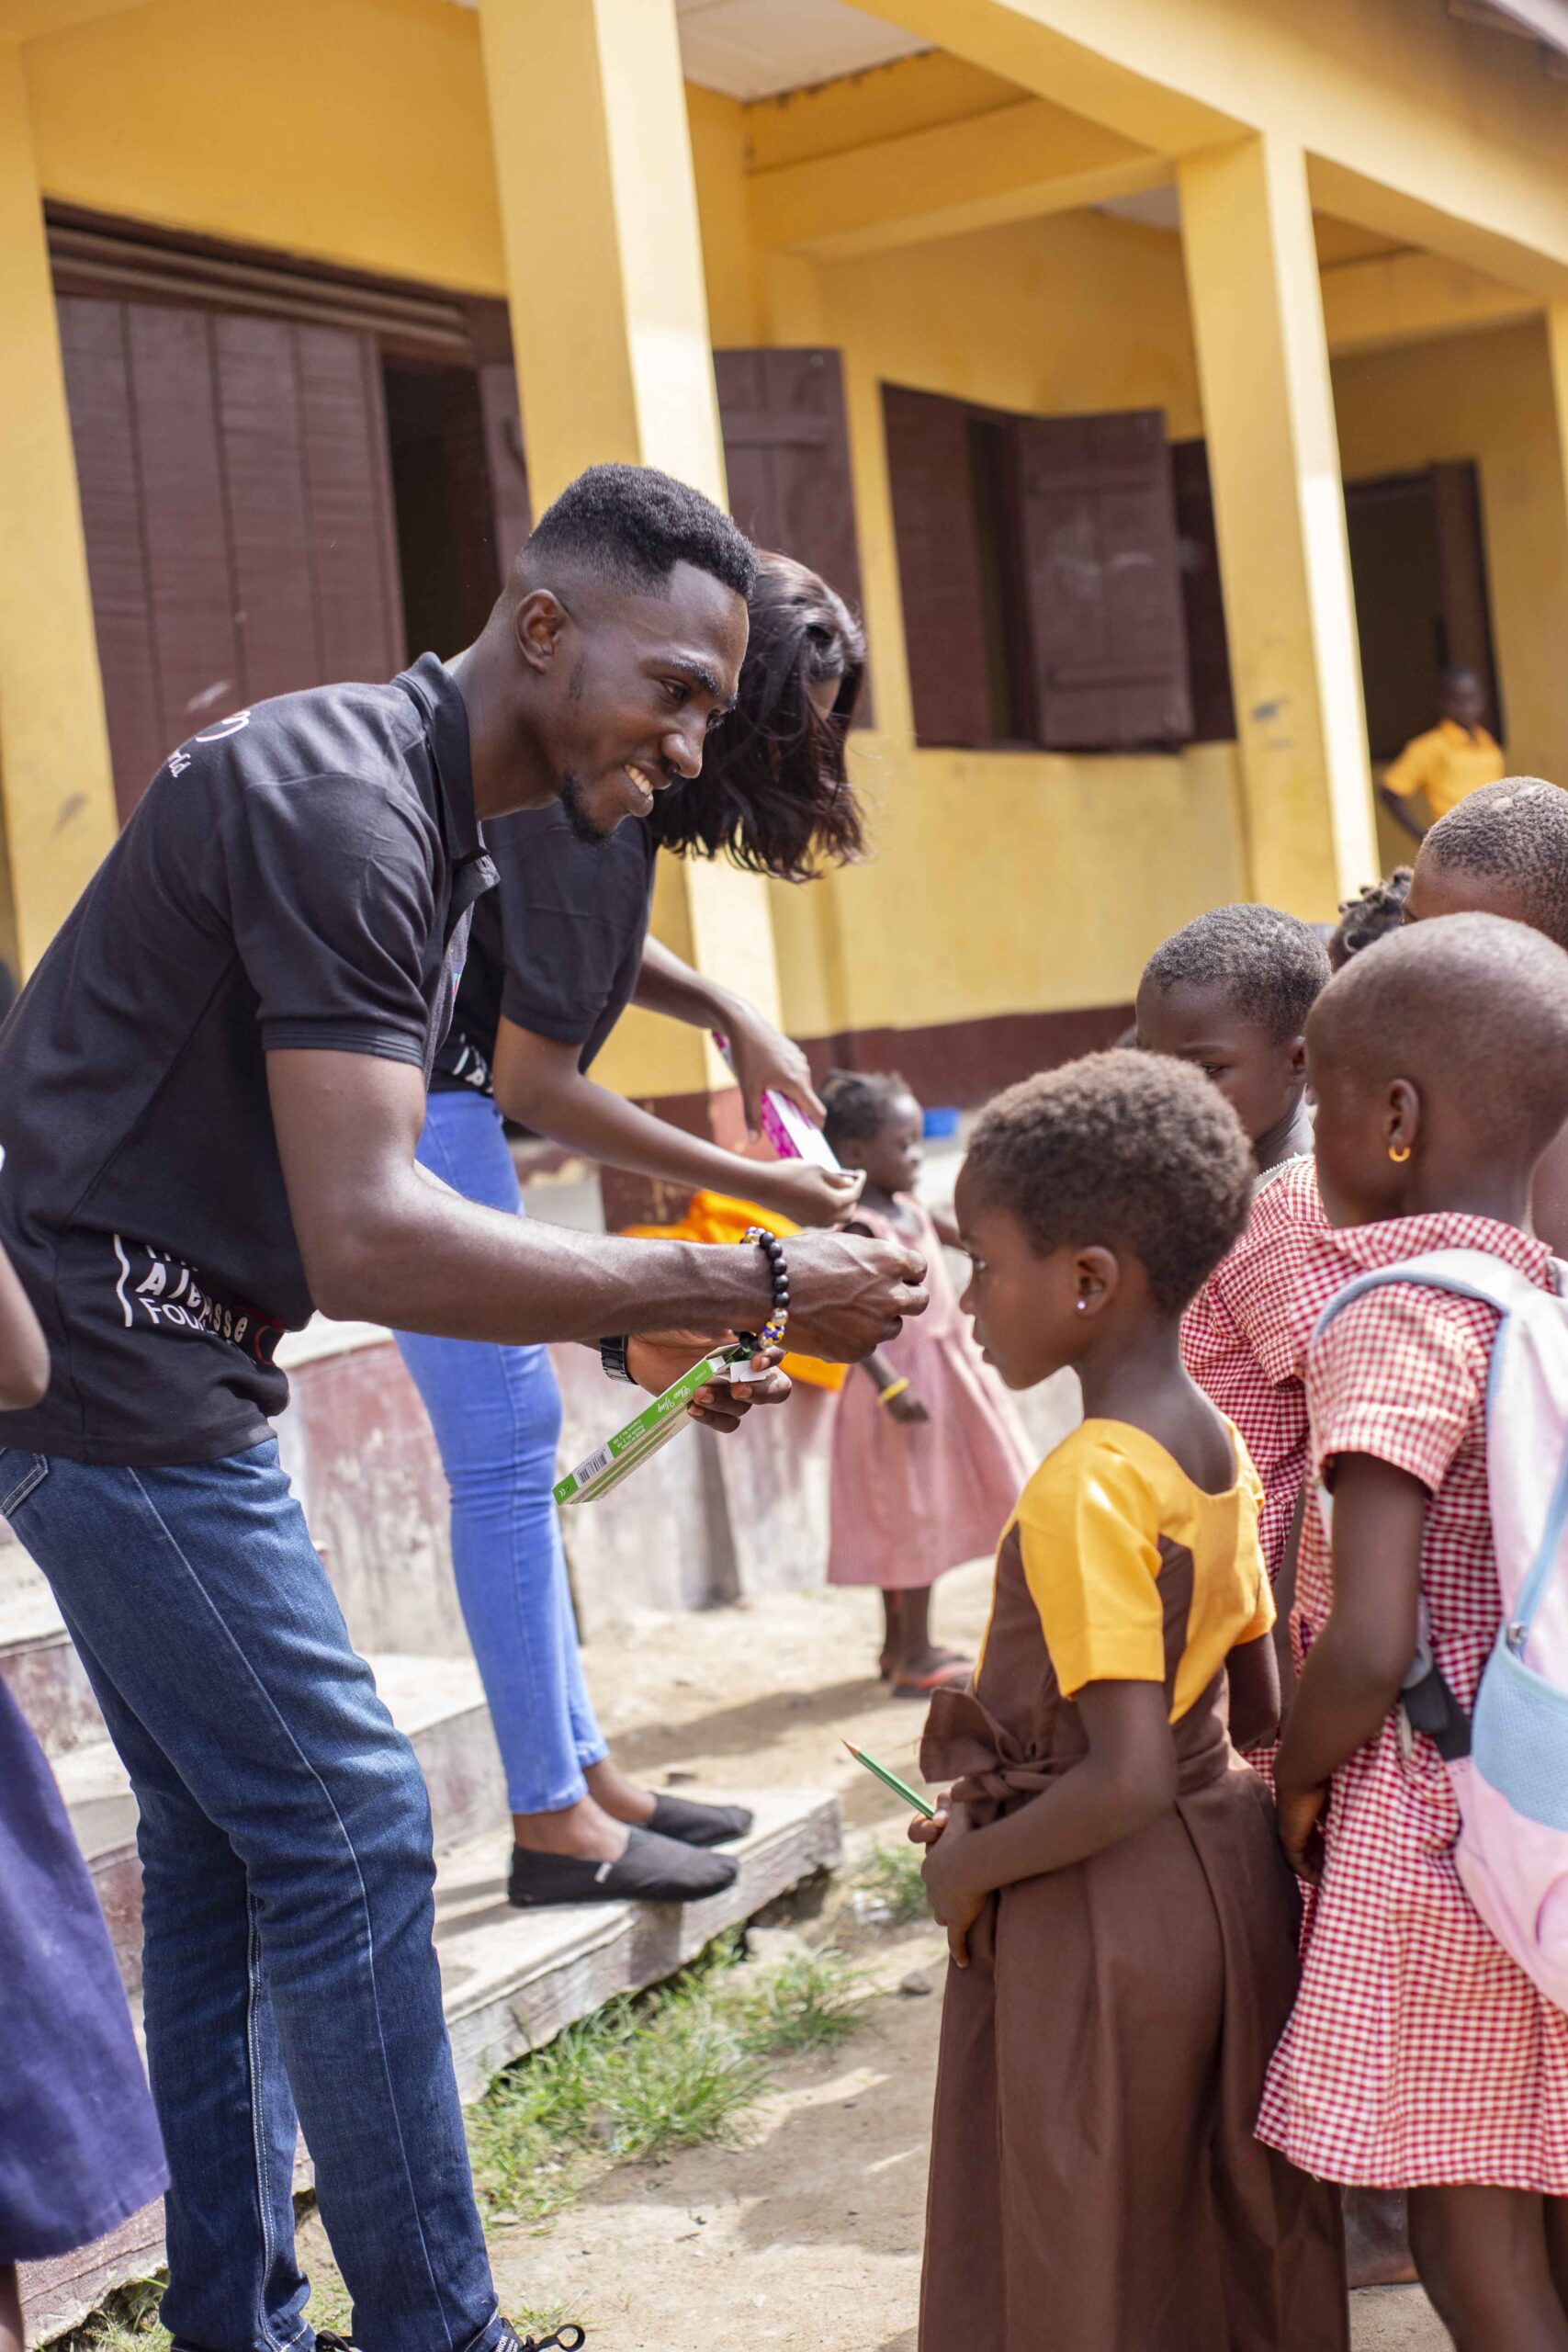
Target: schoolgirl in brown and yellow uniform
<point>1121,1918</point>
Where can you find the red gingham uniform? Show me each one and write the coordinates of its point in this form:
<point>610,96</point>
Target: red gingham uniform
<point>1241,1343</point>
<point>1417,2051</point>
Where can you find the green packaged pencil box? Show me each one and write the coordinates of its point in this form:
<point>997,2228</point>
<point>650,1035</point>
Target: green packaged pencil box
<point>660,1419</point>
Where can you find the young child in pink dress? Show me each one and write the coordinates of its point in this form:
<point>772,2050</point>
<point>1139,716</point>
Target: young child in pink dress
<point>927,1456</point>
<point>1418,2056</point>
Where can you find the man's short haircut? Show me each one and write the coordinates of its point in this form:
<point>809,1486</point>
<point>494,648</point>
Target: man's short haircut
<point>1129,1151</point>
<point>1474,1007</point>
<point>634,525</point>
<point>1372,913</point>
<point>1271,966</point>
<point>1516,832</point>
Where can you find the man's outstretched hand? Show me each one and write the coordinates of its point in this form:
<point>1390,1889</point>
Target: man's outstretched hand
<point>849,1293</point>
<point>659,1358</point>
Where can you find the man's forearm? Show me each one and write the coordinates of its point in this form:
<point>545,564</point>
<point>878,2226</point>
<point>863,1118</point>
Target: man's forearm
<point>443,1265</point>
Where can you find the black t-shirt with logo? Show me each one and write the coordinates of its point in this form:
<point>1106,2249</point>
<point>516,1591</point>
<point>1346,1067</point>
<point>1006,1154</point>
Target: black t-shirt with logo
<point>299,875</point>
<point>557,948</point>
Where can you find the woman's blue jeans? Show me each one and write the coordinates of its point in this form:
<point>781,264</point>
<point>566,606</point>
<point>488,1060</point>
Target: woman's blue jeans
<point>496,1413</point>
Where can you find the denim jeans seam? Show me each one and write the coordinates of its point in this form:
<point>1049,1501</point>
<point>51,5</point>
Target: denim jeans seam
<point>376,1994</point>
<point>253,1992</point>
<point>32,1477</point>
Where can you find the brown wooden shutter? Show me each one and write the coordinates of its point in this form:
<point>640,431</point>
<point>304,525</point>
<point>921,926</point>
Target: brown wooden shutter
<point>1104,589</point>
<point>262,436</point>
<point>939,565</point>
<point>237,514</point>
<point>787,454</point>
<point>103,423</point>
<point>1203,598</point>
<point>786,451</point>
<point>507,462</point>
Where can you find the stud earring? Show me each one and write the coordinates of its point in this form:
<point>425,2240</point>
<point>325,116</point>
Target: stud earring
<point>1398,1153</point>
<point>1083,1306</point>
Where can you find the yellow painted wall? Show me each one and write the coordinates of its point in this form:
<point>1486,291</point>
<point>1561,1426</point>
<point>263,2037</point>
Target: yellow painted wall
<point>1486,397</point>
<point>357,131</point>
<point>350,130</point>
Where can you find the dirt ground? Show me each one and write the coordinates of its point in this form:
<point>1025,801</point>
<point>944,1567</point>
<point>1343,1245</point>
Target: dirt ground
<point>807,2235</point>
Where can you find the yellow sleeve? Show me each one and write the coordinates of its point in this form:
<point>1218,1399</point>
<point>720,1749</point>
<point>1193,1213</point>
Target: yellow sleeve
<point>1251,1563</point>
<point>1409,773</point>
<point>1089,1531</point>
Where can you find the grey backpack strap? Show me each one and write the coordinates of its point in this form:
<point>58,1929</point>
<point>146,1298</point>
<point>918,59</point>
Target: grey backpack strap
<point>1427,1703</point>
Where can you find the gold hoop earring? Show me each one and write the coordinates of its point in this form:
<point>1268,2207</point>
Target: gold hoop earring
<point>1398,1153</point>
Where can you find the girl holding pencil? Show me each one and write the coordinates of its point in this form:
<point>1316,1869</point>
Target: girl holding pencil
<point>1121,1921</point>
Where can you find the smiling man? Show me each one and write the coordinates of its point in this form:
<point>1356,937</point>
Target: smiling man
<point>210,1096</point>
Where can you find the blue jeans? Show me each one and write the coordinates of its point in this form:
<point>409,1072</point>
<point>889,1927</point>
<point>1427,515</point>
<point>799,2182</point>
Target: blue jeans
<point>287,1918</point>
<point>496,1414</point>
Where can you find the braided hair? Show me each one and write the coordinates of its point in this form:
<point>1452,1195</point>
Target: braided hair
<point>1371,914</point>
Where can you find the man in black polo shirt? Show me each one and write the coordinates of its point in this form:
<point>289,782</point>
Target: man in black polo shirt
<point>210,1094</point>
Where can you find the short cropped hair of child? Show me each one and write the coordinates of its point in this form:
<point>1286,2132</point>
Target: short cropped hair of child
<point>1231,994</point>
<point>1418,2056</point>
<point>1121,1924</point>
<point>1371,915</point>
<point>1503,850</point>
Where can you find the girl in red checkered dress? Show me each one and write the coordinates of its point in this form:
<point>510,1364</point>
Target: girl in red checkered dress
<point>1231,994</point>
<point>1418,2056</point>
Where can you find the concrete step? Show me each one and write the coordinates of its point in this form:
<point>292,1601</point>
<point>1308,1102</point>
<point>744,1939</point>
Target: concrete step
<point>437,1701</point>
<point>511,1980</point>
<point>40,1667</point>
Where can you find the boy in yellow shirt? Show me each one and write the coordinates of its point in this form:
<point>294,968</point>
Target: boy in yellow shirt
<point>1451,760</point>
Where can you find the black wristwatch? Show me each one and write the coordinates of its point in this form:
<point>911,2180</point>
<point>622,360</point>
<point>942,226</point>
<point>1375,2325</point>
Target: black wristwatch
<point>613,1359</point>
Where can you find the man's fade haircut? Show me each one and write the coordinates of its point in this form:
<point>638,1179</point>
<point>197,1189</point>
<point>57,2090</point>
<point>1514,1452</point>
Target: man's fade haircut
<point>634,525</point>
<point>1474,1006</point>
<point>1128,1151</point>
<point>1515,833</point>
<point>1271,967</point>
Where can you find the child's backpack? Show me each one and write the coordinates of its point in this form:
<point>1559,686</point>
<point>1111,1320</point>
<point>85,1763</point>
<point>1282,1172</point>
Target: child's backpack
<point>1509,1761</point>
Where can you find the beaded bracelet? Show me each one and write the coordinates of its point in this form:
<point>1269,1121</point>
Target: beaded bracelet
<point>777,1324</point>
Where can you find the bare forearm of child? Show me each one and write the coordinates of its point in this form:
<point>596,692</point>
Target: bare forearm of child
<point>1253,1672</point>
<point>1357,1665</point>
<point>1126,1780</point>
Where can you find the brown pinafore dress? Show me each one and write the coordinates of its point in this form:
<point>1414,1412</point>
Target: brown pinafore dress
<point>1096,2185</point>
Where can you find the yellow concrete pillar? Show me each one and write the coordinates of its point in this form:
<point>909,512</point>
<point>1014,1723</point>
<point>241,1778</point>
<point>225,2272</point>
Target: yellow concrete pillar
<point>1557,346</point>
<point>1280,515</point>
<point>610,324</point>
<point>56,786</point>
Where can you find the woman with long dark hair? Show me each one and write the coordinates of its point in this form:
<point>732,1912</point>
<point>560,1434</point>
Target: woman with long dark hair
<point>556,956</point>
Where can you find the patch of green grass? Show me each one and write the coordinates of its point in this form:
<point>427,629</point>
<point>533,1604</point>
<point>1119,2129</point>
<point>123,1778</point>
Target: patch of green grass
<point>891,1875</point>
<point>811,2002</point>
<point>643,2075</point>
<point>127,2321</point>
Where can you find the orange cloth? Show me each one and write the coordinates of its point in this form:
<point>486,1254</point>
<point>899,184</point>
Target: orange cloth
<point>1447,763</point>
<point>714,1217</point>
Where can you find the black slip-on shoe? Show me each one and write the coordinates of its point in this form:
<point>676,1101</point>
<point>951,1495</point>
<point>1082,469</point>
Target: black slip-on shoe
<point>652,1870</point>
<point>697,1824</point>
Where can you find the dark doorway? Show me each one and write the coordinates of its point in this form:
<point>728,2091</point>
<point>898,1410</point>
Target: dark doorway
<point>1420,569</point>
<point>441,491</point>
